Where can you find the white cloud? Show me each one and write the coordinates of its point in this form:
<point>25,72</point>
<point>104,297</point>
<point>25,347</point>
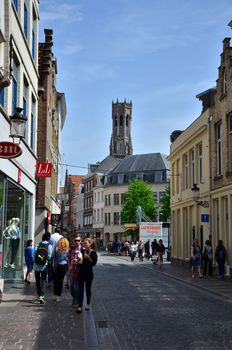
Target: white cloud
<point>64,12</point>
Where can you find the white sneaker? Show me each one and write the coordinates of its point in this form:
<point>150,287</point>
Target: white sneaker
<point>58,299</point>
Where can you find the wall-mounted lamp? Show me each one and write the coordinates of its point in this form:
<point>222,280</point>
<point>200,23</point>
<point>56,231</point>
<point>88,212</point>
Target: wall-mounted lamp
<point>17,125</point>
<point>196,195</point>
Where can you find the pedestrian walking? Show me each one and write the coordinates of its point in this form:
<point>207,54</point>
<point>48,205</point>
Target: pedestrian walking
<point>75,258</point>
<point>207,258</point>
<point>140,250</point>
<point>53,240</point>
<point>86,273</point>
<point>29,260</point>
<point>160,252</point>
<point>43,253</point>
<point>221,258</point>
<point>196,258</point>
<point>60,266</point>
<point>148,249</point>
<point>133,250</point>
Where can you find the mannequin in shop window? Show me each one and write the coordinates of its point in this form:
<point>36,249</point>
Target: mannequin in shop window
<point>13,234</point>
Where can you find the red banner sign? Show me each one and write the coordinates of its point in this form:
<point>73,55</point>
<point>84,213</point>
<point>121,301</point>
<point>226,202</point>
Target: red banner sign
<point>9,150</point>
<point>44,169</point>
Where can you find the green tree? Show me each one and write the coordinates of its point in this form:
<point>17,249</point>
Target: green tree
<point>165,211</point>
<point>139,194</point>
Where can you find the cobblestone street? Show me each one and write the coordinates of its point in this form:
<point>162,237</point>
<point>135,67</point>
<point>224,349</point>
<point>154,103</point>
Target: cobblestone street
<point>134,306</point>
<point>137,308</point>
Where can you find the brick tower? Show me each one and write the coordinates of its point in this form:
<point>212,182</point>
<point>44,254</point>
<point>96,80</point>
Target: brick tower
<point>121,143</point>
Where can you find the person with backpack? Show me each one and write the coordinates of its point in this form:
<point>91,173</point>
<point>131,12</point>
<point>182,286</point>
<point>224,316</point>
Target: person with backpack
<point>53,240</point>
<point>207,258</point>
<point>221,257</point>
<point>43,253</point>
<point>60,266</point>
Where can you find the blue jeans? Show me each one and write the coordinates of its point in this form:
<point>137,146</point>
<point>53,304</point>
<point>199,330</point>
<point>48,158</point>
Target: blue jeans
<point>74,290</point>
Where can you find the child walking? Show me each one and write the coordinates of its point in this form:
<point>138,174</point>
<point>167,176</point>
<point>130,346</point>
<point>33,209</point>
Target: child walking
<point>29,260</point>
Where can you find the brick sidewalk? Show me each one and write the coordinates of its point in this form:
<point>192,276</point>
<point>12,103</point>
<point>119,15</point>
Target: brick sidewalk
<point>25,324</point>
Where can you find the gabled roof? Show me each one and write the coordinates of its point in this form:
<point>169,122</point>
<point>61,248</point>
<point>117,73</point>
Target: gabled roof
<point>142,163</point>
<point>107,165</point>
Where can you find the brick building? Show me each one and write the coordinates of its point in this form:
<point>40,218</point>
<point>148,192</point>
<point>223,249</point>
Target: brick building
<point>51,117</point>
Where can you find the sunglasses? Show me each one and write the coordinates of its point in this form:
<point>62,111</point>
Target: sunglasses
<point>77,240</point>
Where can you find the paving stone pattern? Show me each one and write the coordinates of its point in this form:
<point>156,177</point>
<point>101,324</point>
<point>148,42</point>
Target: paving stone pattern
<point>136,308</point>
<point>27,325</point>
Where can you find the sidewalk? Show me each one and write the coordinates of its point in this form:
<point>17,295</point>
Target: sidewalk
<point>25,324</point>
<point>219,287</point>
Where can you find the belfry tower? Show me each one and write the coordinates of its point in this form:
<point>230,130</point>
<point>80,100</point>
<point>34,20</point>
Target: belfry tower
<point>121,143</point>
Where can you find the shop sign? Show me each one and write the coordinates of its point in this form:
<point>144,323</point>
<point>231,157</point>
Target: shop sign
<point>55,219</point>
<point>44,169</point>
<point>62,196</point>
<point>9,150</point>
<point>19,176</point>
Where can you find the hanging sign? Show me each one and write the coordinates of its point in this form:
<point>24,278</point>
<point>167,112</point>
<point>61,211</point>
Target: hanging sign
<point>44,169</point>
<point>9,150</point>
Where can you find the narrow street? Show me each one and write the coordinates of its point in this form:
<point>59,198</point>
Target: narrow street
<point>137,308</point>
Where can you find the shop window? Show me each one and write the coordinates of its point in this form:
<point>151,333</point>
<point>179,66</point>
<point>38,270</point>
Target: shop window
<point>1,221</point>
<point>12,233</point>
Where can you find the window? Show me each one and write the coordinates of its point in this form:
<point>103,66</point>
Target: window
<point>121,120</point>
<point>25,98</point>
<point>105,219</point>
<point>106,201</point>
<point>116,218</point>
<point>15,86</point>
<point>15,2</point>
<point>192,167</point>
<point>115,120</point>
<point>230,141</point>
<point>127,117</point>
<point>2,97</point>
<point>120,179</point>
<point>158,176</point>
<point>219,148</point>
<point>34,32</point>
<point>161,194</point>
<point>185,171</point>
<point>155,196</point>
<point>122,198</point>
<point>109,199</point>
<point>32,131</point>
<point>116,199</point>
<point>200,163</point>
<point>25,20</point>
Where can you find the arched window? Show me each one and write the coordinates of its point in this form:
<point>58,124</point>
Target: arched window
<point>115,120</point>
<point>121,120</point>
<point>127,118</point>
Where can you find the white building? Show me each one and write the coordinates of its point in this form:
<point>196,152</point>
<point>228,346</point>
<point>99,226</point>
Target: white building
<point>18,88</point>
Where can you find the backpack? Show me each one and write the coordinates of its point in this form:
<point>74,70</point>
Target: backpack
<point>41,255</point>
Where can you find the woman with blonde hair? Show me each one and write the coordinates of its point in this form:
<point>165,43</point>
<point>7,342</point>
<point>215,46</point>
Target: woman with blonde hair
<point>60,266</point>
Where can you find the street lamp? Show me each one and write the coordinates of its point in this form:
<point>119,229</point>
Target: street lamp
<point>196,195</point>
<point>17,124</point>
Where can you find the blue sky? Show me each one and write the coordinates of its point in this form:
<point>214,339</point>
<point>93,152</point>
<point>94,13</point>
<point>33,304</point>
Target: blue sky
<point>158,53</point>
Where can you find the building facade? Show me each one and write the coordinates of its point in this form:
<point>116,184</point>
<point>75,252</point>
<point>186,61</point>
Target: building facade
<point>201,156</point>
<point>18,88</point>
<point>152,168</point>
<point>51,117</point>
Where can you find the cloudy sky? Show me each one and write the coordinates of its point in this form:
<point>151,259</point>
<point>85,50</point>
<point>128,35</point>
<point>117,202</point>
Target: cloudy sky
<point>158,53</point>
